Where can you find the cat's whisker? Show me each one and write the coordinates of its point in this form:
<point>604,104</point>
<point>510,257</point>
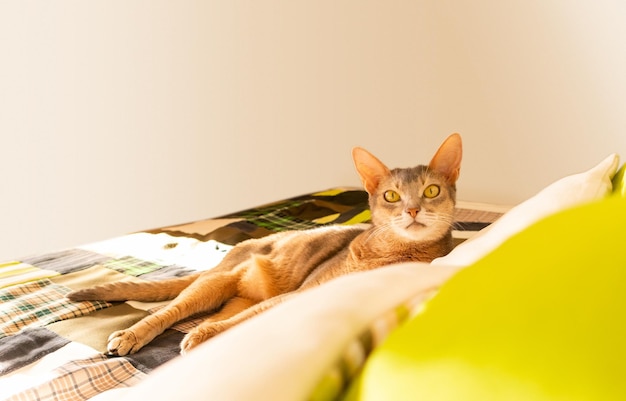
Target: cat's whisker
<point>374,233</point>
<point>379,230</point>
<point>439,218</point>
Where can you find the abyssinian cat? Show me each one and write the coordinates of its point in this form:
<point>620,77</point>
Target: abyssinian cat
<point>412,214</point>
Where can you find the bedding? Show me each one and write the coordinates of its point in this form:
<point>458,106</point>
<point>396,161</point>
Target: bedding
<point>312,347</point>
<point>51,348</point>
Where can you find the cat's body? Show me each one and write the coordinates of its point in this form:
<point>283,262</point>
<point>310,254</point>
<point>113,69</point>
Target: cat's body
<point>412,215</point>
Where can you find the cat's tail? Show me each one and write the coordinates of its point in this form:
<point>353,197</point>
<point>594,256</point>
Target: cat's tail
<point>145,291</point>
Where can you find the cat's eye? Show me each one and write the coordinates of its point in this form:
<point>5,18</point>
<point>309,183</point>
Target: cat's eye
<point>431,191</point>
<point>391,196</point>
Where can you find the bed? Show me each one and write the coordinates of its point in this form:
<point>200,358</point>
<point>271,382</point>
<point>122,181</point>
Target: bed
<point>328,343</point>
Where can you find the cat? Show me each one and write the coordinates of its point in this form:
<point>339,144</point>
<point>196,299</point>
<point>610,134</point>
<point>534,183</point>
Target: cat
<point>411,213</point>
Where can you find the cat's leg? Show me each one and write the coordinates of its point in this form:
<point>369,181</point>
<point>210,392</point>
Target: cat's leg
<point>212,327</point>
<point>233,307</point>
<point>205,294</point>
<point>146,291</point>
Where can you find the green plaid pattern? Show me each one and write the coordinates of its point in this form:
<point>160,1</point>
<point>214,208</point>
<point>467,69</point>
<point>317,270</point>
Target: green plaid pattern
<point>37,304</point>
<point>332,385</point>
<point>303,214</point>
<point>131,266</point>
<point>80,380</point>
<point>277,217</point>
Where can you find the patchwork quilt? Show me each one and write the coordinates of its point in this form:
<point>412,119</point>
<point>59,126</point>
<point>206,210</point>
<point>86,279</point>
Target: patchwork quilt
<point>54,349</point>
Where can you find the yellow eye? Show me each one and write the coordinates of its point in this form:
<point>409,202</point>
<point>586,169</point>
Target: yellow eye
<point>431,191</point>
<point>391,196</point>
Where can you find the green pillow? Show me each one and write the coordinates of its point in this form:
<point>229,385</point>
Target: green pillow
<point>619,182</point>
<point>543,317</point>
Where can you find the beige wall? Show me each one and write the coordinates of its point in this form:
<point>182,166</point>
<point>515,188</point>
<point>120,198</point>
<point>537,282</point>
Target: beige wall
<point>122,115</point>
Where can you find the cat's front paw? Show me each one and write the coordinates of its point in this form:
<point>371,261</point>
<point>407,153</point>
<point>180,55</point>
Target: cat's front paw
<point>122,343</point>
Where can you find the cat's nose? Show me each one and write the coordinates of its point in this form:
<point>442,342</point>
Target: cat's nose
<point>413,211</point>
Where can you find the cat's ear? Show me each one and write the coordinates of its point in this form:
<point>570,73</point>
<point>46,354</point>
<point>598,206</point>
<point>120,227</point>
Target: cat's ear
<point>447,160</point>
<point>370,169</point>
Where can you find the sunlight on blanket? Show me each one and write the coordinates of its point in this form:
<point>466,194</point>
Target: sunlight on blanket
<point>160,249</point>
<point>12,273</point>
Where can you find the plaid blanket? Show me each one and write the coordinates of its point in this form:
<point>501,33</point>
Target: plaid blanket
<point>52,349</point>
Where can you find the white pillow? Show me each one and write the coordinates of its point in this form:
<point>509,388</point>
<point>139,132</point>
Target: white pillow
<point>562,194</point>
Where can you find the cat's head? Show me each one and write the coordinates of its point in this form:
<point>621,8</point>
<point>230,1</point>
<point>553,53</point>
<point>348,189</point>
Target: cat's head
<point>416,203</point>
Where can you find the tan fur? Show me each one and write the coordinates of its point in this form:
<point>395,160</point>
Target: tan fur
<point>260,273</point>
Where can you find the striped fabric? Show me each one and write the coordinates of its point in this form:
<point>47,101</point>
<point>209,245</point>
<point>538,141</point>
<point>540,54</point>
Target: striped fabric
<point>12,273</point>
<point>474,219</point>
<point>66,261</point>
